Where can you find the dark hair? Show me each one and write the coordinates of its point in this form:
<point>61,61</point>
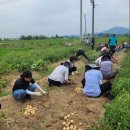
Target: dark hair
<point>111,53</point>
<point>26,74</point>
<point>106,45</point>
<point>72,58</point>
<point>67,64</point>
<point>105,57</point>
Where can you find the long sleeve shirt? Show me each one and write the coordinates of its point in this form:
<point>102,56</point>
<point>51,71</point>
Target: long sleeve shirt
<point>60,74</point>
<point>22,84</point>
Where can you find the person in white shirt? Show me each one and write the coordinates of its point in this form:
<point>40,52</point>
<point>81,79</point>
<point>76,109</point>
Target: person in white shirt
<point>60,74</point>
<point>92,82</point>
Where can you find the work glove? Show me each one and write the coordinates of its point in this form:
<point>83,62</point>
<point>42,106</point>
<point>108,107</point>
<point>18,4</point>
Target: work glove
<point>38,93</point>
<point>44,92</point>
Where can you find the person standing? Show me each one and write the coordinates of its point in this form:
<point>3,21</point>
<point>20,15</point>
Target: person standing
<point>87,41</point>
<point>112,42</point>
<point>93,42</point>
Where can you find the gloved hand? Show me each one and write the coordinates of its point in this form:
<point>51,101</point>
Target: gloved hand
<point>44,92</point>
<point>38,93</point>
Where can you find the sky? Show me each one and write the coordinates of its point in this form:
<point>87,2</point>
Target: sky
<point>61,17</point>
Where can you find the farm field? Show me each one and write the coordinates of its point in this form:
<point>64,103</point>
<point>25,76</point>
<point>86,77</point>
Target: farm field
<point>42,57</point>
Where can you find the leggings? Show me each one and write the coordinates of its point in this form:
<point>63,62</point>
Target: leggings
<point>105,87</point>
<point>53,82</point>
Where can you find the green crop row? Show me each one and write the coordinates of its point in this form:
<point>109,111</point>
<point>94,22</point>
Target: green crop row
<point>117,114</point>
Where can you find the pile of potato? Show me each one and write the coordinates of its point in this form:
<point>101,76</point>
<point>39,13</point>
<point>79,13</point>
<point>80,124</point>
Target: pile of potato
<point>69,124</point>
<point>78,90</point>
<point>29,110</point>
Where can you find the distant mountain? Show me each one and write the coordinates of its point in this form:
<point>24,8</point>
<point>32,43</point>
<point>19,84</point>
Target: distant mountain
<point>117,30</point>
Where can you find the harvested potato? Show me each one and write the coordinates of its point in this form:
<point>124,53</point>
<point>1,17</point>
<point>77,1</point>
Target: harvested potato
<point>65,117</point>
<point>67,128</point>
<point>72,114</point>
<point>29,110</point>
<point>64,123</point>
<point>71,127</point>
<point>80,123</point>
<point>67,125</point>
<point>64,128</point>
<point>68,116</point>
<point>71,121</point>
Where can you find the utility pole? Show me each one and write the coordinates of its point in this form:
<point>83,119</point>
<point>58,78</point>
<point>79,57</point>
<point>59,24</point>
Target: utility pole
<point>80,21</point>
<point>93,39</point>
<point>85,33</point>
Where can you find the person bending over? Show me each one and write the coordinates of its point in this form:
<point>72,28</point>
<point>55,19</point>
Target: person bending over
<point>80,52</point>
<point>60,75</point>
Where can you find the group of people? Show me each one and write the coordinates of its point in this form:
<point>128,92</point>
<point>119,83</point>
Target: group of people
<point>112,44</point>
<point>92,83</point>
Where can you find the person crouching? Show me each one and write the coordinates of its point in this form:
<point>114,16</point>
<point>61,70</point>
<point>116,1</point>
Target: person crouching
<point>25,86</point>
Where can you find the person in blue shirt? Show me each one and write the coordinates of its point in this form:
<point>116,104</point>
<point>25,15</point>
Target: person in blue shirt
<point>112,42</point>
<point>92,82</point>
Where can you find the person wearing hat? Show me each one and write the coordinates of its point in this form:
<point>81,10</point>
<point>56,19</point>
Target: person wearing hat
<point>106,67</point>
<point>112,42</point>
<point>92,82</point>
<point>25,86</point>
<point>60,75</point>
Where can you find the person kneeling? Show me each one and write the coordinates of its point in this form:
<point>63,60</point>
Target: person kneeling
<point>60,75</point>
<point>92,82</point>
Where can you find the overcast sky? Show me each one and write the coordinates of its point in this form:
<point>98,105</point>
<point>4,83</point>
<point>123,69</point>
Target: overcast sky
<point>62,17</point>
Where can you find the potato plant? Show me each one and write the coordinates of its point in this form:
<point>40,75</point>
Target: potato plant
<point>117,114</point>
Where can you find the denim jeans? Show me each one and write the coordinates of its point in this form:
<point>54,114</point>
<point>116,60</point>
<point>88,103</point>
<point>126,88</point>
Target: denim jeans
<point>20,94</point>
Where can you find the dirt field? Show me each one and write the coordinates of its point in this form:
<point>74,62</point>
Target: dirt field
<point>81,111</point>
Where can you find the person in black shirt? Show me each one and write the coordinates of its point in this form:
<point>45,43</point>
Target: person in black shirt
<point>80,52</point>
<point>25,86</point>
